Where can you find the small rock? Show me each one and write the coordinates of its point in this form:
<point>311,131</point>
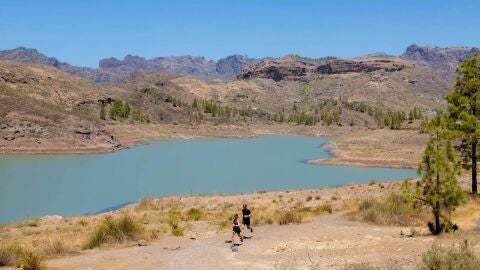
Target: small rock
<point>52,217</point>
<point>172,248</point>
<point>83,131</point>
<point>10,137</point>
<point>142,243</point>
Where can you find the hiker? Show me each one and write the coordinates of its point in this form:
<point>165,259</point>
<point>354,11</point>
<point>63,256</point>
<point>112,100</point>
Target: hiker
<point>236,229</point>
<point>246,217</point>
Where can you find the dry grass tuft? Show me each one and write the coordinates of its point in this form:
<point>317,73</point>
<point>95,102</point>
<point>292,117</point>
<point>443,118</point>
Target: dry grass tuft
<point>31,260</point>
<point>114,230</point>
<point>10,254</point>
<point>389,210</point>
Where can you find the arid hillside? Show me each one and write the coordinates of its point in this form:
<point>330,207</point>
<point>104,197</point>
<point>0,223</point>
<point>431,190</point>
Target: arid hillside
<point>47,108</point>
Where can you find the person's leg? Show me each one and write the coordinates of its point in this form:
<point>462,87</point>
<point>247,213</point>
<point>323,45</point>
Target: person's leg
<point>247,223</point>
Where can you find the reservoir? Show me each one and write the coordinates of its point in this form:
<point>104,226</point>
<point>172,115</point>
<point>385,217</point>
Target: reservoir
<point>38,185</point>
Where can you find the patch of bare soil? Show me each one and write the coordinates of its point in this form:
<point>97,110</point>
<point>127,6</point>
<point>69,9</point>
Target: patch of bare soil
<point>381,147</point>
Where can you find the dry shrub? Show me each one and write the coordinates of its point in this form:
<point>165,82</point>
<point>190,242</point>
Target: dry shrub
<point>360,266</point>
<point>323,208</point>
<point>262,219</point>
<point>223,225</point>
<point>56,247</point>
<point>10,254</point>
<point>194,214</point>
<point>31,260</point>
<point>461,257</point>
<point>147,204</point>
<point>289,217</point>
<point>114,229</point>
<point>390,210</point>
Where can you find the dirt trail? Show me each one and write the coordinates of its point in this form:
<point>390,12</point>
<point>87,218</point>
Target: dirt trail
<point>331,241</point>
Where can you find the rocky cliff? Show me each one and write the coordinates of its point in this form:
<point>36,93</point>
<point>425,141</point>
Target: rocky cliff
<point>286,69</point>
<point>442,60</point>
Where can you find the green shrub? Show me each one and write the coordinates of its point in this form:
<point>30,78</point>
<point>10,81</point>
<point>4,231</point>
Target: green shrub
<point>371,183</point>
<point>114,229</point>
<point>10,254</point>
<point>31,260</point>
<point>194,214</point>
<point>288,217</point>
<point>174,218</point>
<point>261,191</point>
<point>450,258</point>
<point>177,231</point>
<point>309,198</point>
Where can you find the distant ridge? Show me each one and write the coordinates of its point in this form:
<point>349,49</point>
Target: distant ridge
<point>114,70</point>
<point>442,60</point>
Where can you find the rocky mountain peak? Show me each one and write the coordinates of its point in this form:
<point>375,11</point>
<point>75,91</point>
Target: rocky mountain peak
<point>442,60</point>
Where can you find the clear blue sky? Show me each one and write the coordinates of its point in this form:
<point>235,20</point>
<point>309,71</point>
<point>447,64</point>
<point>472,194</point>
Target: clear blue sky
<point>84,31</point>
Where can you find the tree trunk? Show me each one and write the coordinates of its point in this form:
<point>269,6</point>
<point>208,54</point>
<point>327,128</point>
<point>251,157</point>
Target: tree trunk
<point>474,167</point>
<point>436,213</point>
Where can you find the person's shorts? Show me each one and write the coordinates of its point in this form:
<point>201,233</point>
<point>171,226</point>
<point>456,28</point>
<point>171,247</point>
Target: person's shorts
<point>236,229</point>
<point>246,221</point>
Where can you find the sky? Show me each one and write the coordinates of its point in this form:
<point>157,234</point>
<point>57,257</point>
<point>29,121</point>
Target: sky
<point>83,32</point>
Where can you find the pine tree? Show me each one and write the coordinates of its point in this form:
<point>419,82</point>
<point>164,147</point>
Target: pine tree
<point>438,188</point>
<point>464,108</point>
<point>103,114</point>
<point>125,110</point>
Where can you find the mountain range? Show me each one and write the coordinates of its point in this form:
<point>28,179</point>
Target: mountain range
<point>441,60</point>
<point>115,70</point>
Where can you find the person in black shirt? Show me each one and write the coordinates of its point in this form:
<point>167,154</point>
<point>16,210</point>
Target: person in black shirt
<point>246,217</point>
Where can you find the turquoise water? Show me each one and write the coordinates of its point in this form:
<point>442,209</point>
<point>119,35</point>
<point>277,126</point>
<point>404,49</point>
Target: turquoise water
<point>37,185</point>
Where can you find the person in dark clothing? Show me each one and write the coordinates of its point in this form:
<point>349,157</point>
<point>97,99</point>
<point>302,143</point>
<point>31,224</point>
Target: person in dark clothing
<point>246,217</point>
<point>236,229</point>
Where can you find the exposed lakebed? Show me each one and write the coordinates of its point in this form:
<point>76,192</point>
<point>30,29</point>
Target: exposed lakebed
<point>37,185</point>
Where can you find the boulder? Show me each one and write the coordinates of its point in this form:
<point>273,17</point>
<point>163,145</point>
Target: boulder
<point>142,243</point>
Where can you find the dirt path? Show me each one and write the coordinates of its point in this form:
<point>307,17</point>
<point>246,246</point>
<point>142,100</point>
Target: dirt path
<point>331,241</point>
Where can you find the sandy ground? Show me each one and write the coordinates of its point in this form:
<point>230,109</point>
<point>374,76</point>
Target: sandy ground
<point>381,147</point>
<point>331,242</point>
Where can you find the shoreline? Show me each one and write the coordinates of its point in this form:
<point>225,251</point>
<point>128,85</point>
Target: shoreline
<point>346,147</point>
<point>143,134</point>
